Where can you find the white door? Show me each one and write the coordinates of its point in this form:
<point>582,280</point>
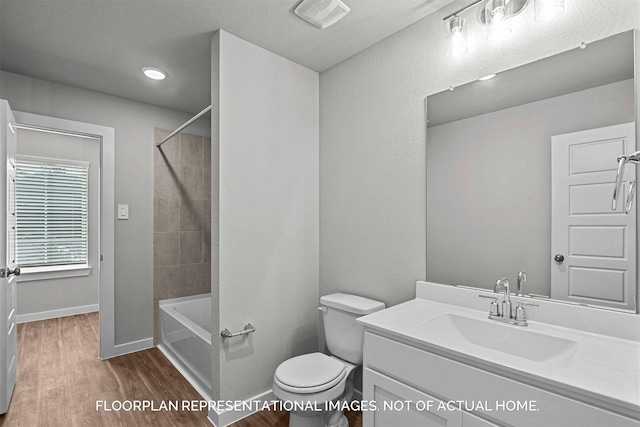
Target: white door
<point>593,249</point>
<point>8,268</point>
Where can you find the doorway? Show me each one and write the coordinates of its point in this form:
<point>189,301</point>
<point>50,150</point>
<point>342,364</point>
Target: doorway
<point>104,258</point>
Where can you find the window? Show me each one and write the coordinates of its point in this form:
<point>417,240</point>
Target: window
<point>52,212</point>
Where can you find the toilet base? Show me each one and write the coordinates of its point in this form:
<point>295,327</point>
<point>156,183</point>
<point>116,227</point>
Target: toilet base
<point>315,420</point>
<point>306,420</point>
<point>344,422</point>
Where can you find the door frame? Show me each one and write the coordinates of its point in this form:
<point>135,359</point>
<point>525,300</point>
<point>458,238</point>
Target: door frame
<point>106,136</point>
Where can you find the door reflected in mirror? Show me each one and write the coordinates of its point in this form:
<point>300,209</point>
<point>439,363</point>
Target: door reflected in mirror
<point>521,170</point>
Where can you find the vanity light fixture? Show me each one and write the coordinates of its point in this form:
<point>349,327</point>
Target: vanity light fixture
<point>457,37</point>
<point>496,15</point>
<point>154,73</point>
<point>489,77</point>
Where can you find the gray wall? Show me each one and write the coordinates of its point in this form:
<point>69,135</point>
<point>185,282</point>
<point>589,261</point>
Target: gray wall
<point>372,126</point>
<point>133,123</point>
<point>268,213</point>
<point>56,294</point>
<point>489,186</point>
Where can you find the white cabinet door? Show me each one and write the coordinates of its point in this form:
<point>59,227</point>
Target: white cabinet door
<point>598,245</point>
<point>399,405</point>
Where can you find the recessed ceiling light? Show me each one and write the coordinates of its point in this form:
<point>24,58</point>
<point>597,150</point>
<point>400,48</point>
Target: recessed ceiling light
<point>154,73</point>
<point>489,77</point>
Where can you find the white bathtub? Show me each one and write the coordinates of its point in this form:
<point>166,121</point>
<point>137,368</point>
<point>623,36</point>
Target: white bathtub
<point>185,338</point>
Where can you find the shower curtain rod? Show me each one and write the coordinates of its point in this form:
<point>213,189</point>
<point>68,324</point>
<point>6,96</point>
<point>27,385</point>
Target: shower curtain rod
<point>187,124</point>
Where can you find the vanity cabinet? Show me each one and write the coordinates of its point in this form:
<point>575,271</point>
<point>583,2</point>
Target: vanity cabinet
<point>398,405</point>
<point>431,390</point>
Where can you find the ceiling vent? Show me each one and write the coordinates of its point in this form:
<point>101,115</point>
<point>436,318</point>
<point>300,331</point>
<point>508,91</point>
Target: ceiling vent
<point>321,13</point>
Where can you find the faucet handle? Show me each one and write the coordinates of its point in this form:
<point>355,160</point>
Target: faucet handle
<point>494,309</point>
<point>528,303</point>
<point>521,314</point>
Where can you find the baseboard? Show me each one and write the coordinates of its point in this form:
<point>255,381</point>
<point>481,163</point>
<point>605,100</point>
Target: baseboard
<point>53,314</point>
<point>225,418</point>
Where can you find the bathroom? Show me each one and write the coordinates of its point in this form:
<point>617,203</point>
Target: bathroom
<point>342,203</point>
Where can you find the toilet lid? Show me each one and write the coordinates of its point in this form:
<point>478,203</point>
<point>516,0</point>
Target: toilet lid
<point>309,373</point>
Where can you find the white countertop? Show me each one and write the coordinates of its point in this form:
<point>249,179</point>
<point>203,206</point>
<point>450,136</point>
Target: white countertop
<point>603,368</point>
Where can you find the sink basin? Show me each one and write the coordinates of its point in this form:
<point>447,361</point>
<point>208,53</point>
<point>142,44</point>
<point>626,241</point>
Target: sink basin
<point>514,340</point>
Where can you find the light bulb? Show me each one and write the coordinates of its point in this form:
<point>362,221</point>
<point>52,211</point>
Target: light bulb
<point>496,14</point>
<point>499,29</point>
<point>457,38</point>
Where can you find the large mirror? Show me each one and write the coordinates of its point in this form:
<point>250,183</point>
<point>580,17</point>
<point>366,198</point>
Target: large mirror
<point>520,176</point>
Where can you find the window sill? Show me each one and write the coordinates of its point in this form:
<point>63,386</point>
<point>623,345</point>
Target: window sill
<point>29,274</point>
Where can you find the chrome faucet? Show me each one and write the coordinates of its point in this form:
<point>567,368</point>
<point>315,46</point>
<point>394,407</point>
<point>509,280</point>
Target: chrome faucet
<point>522,277</point>
<point>506,302</point>
<point>506,316</point>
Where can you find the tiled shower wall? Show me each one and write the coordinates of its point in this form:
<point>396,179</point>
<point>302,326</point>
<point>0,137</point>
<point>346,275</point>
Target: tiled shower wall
<point>181,216</point>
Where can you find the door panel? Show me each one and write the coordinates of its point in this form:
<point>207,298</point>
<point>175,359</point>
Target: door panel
<point>599,245</point>
<point>597,283</point>
<point>597,241</point>
<point>593,199</point>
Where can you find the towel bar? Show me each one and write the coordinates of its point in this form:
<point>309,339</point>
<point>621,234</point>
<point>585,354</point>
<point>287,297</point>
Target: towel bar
<point>248,328</point>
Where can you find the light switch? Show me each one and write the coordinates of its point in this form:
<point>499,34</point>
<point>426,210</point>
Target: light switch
<point>123,211</point>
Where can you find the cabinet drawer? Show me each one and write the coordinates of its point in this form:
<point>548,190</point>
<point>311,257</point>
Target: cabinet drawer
<point>494,397</point>
<point>400,405</point>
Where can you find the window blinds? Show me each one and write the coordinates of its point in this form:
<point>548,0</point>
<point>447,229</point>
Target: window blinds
<point>52,212</point>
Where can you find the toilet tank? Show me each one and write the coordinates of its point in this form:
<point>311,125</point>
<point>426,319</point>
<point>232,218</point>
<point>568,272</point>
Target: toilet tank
<point>343,334</point>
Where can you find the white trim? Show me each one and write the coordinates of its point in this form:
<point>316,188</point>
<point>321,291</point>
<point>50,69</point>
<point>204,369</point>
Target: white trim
<point>106,135</point>
<point>53,314</point>
<point>225,418</point>
<point>54,161</point>
<point>28,274</point>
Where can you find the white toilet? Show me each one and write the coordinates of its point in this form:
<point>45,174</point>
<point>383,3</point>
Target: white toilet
<point>312,380</point>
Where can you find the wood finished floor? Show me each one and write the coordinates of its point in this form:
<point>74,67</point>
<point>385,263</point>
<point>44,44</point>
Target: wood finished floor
<point>60,378</point>
<point>281,419</point>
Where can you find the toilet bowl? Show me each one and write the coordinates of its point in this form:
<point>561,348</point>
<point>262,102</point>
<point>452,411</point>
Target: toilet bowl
<point>312,386</point>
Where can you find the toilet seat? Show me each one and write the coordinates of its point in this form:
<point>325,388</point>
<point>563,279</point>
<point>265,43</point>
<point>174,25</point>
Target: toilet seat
<point>309,373</point>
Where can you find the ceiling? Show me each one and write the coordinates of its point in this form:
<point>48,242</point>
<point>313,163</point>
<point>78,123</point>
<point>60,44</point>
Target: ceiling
<point>606,61</point>
<point>102,45</point>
